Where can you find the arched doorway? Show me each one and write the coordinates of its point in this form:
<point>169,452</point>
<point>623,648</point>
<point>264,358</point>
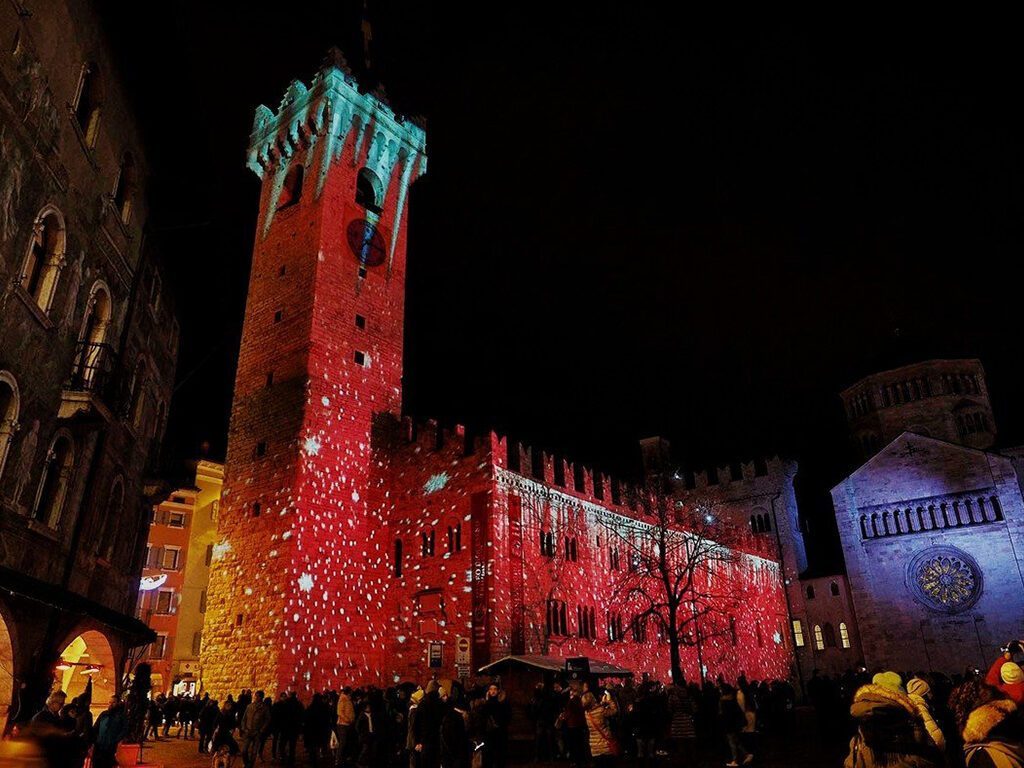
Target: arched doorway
<point>88,657</point>
<point>6,670</point>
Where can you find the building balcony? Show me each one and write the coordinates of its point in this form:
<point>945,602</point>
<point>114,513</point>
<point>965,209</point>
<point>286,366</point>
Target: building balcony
<point>91,386</point>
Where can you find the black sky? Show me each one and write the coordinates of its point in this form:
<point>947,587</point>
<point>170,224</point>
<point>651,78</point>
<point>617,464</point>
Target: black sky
<point>633,223</point>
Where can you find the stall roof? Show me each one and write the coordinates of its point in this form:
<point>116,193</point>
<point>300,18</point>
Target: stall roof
<point>556,664</point>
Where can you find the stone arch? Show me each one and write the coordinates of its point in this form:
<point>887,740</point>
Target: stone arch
<point>89,654</point>
<point>10,407</point>
<point>44,259</point>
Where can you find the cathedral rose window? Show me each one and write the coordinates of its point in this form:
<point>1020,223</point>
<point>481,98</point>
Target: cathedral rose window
<point>945,579</point>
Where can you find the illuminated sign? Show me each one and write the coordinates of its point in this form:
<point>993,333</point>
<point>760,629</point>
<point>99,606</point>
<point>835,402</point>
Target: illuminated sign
<point>149,583</point>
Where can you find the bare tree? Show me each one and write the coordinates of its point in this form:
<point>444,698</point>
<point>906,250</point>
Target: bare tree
<point>677,569</point>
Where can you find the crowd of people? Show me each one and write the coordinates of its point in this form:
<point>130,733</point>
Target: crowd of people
<point>892,720</point>
<point>934,721</point>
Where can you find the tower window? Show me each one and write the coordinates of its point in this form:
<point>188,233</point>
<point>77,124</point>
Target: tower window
<point>361,358</point>
<point>261,448</point>
<point>398,558</point>
<point>810,591</point>
<point>270,379</point>
<point>278,315</point>
<point>291,193</point>
<point>834,589</point>
<point>360,322</point>
<point>369,190</point>
<point>282,270</point>
<point>87,104</point>
<point>256,509</point>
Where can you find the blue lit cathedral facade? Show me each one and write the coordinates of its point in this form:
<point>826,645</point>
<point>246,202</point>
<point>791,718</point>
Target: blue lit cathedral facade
<point>932,523</point>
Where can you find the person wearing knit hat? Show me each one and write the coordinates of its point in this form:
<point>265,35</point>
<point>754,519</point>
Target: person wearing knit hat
<point>1008,677</point>
<point>889,680</point>
<point>920,693</point>
<point>890,729</point>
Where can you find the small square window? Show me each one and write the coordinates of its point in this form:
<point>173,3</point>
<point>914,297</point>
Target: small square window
<point>360,322</point>
<point>362,272</point>
<point>270,379</point>
<point>261,448</point>
<point>360,358</point>
<point>278,315</point>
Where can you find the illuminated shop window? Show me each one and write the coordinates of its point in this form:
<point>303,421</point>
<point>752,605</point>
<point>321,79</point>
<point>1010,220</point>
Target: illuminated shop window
<point>798,633</point>
<point>844,635</point>
<point>819,638</point>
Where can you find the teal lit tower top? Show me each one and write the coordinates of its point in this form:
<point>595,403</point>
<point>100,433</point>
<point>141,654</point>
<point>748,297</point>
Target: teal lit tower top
<point>333,111</point>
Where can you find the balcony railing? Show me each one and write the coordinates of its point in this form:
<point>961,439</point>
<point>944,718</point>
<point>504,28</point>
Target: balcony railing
<point>93,368</point>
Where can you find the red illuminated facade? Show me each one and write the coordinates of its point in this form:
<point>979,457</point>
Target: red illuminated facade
<point>352,546</point>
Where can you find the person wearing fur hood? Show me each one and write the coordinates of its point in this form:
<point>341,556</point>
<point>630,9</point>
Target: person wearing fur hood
<point>992,726</point>
<point>890,731</point>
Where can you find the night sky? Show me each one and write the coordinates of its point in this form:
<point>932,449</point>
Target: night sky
<point>632,223</point>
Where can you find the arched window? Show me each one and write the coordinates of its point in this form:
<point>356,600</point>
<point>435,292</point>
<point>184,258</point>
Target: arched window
<point>830,636</point>
<point>753,523</point>
<point>369,190</point>
<point>125,188</point>
<point>996,509</point>
<point>93,357</point>
<point>819,640</point>
<point>766,522</point>
<point>45,258</point>
<point>291,192</point>
<point>54,482</point>
<point>88,103</point>
<point>810,591</point>
<point>10,404</point>
<point>844,635</point>
<point>863,527</point>
<point>111,520</point>
<point>834,589</point>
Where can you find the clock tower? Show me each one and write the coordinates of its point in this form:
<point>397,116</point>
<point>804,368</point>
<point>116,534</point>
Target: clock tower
<point>298,573</point>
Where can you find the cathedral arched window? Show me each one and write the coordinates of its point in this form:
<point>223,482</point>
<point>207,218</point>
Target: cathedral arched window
<point>291,192</point>
<point>45,258</point>
<point>833,588</point>
<point>10,404</point>
<point>55,481</point>
<point>809,591</point>
<point>819,639</point>
<point>369,190</point>
<point>88,103</point>
<point>125,188</point>
<point>829,634</point>
<point>844,635</point>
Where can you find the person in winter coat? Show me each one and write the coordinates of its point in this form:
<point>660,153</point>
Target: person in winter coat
<point>603,747</point>
<point>223,730</point>
<point>316,733</point>
<point>454,747</point>
<point>496,714</point>
<point>682,731</point>
<point>920,693</point>
<point>574,723</point>
<point>111,727</point>
<point>733,720</point>
<point>992,726</point>
<point>207,722</point>
<point>1007,676</point>
<point>345,726</point>
<point>254,726</point>
<point>890,731</point>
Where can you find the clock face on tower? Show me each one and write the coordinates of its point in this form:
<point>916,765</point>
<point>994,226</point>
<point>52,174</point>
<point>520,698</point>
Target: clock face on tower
<point>366,242</point>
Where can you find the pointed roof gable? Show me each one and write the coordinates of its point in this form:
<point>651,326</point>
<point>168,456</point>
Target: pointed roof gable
<point>914,466</point>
